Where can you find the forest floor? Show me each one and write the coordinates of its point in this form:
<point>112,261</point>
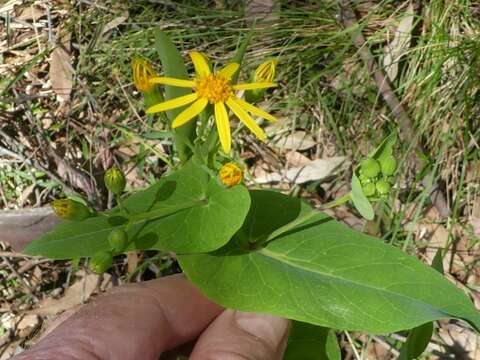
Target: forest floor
<point>69,111</point>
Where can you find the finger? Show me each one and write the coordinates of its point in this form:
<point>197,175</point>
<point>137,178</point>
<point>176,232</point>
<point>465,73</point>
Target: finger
<point>239,335</point>
<point>137,321</point>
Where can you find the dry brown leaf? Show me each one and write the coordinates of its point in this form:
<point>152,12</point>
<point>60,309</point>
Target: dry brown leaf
<point>316,170</point>
<point>115,23</point>
<point>298,140</point>
<point>33,13</point>
<point>294,158</point>
<point>61,74</point>
<point>400,43</point>
<point>76,294</point>
<point>263,10</point>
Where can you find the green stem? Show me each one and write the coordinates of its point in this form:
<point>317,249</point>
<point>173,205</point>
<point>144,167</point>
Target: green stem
<point>337,202</point>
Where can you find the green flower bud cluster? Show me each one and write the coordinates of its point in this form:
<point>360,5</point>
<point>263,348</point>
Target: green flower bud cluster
<point>376,176</point>
<point>103,260</point>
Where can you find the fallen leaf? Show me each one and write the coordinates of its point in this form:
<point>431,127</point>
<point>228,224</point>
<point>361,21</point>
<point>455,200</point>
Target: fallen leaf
<point>61,74</point>
<point>115,23</point>
<point>76,294</point>
<point>32,13</point>
<point>400,43</point>
<point>316,170</point>
<point>294,158</point>
<point>298,140</point>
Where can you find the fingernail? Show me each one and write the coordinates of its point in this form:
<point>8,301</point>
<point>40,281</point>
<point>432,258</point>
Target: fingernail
<point>270,329</point>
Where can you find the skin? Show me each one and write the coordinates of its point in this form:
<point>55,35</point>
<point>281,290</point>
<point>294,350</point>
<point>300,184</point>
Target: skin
<point>144,320</point>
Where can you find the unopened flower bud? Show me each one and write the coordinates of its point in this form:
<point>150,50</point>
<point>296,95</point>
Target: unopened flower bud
<point>101,262</point>
<point>388,165</point>
<point>142,72</point>
<point>70,209</point>
<point>369,189</point>
<point>383,187</point>
<point>118,240</point>
<point>265,72</point>
<point>370,168</point>
<point>114,180</point>
<point>231,174</point>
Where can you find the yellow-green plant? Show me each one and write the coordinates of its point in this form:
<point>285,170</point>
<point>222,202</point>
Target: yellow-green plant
<point>255,250</point>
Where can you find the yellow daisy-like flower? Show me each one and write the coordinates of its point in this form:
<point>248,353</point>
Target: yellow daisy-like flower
<point>142,72</point>
<point>266,71</point>
<point>70,209</point>
<point>231,174</point>
<point>217,90</point>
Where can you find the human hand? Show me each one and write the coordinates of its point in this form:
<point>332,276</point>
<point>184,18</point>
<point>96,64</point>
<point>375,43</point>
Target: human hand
<point>142,321</point>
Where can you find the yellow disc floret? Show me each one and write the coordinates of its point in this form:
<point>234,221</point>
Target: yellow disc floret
<point>214,88</point>
<point>231,174</point>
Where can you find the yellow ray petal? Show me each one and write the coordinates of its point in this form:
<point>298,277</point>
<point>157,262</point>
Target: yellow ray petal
<point>189,113</point>
<point>228,71</point>
<point>253,86</point>
<point>172,104</point>
<point>172,81</point>
<point>223,126</point>
<point>246,119</point>
<point>254,110</point>
<point>201,67</point>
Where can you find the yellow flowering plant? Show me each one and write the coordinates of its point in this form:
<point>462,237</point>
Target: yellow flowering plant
<point>252,249</point>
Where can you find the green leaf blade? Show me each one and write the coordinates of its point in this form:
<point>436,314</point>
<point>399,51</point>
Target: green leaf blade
<point>328,275</point>
<point>196,219</point>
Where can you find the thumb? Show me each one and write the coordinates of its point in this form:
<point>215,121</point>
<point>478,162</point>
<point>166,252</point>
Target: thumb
<point>240,335</point>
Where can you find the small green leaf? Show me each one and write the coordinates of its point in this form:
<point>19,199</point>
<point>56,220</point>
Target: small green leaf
<point>174,66</point>
<point>362,204</point>
<point>187,211</point>
<point>417,342</point>
<point>323,273</point>
<point>310,342</point>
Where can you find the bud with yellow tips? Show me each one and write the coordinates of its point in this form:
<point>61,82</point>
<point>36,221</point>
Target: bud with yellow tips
<point>142,72</point>
<point>114,180</point>
<point>70,209</point>
<point>231,174</point>
<point>265,72</point>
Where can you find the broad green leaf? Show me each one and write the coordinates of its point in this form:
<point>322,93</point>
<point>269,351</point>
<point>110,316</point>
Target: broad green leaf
<point>417,342</point>
<point>362,204</point>
<point>198,215</point>
<point>323,273</point>
<point>310,342</point>
<point>174,66</point>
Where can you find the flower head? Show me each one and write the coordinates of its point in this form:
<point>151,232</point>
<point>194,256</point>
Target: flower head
<point>215,89</point>
<point>142,72</point>
<point>70,209</point>
<point>266,71</point>
<point>231,174</point>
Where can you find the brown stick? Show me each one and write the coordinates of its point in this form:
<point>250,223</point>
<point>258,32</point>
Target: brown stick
<point>349,20</point>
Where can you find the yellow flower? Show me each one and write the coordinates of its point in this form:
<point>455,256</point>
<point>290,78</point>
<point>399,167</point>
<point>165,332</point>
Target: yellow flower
<point>217,90</point>
<point>231,174</point>
<point>266,71</point>
<point>142,72</point>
